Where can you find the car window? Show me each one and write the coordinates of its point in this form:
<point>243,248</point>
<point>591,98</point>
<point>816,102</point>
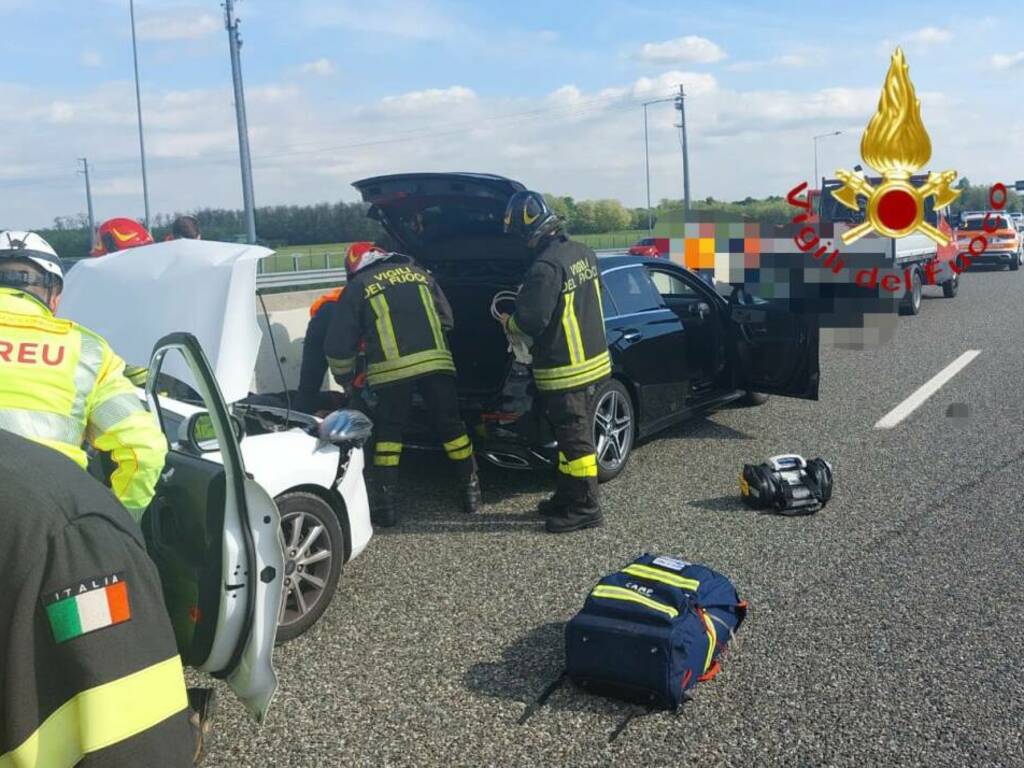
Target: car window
<point>632,290</point>
<point>977,224</point>
<point>672,286</point>
<point>607,302</point>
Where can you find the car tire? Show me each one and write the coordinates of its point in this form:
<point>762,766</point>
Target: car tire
<point>309,528</point>
<point>911,304</point>
<point>614,423</point>
<point>1015,262</point>
<point>752,399</point>
<point>950,288</point>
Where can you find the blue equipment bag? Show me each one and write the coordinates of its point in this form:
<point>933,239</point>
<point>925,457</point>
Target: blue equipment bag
<point>651,631</point>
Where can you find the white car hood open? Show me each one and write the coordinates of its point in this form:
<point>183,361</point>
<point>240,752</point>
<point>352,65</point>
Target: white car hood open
<point>135,297</point>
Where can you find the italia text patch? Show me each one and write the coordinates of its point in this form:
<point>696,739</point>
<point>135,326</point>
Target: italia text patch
<point>87,605</point>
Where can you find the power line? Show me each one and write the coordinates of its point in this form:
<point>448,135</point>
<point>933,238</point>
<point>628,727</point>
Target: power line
<point>595,107</point>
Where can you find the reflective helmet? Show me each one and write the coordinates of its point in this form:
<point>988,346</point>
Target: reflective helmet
<point>528,217</point>
<point>118,235</point>
<point>30,247</point>
<point>361,255</point>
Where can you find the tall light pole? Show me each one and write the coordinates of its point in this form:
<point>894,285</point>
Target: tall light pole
<point>820,136</point>
<point>647,161</point>
<point>681,106</point>
<point>88,196</point>
<point>235,43</point>
<point>138,107</point>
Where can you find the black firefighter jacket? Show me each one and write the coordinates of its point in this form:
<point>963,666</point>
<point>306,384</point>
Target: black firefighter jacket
<point>402,314</point>
<point>559,306</point>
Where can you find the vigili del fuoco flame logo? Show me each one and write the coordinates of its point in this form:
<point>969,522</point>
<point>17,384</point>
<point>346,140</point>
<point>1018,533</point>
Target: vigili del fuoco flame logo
<point>896,144</point>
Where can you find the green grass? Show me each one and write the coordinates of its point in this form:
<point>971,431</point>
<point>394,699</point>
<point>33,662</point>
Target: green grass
<point>621,239</point>
<point>332,255</point>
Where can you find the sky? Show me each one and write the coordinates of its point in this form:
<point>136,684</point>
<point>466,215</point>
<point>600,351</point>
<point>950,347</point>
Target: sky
<point>548,93</point>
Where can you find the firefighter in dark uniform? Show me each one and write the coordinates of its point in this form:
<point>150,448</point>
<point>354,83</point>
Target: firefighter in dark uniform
<point>89,671</point>
<point>314,363</point>
<point>401,314</point>
<point>559,307</point>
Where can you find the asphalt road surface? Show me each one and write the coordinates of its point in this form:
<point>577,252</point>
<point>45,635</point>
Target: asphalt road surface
<point>885,630</point>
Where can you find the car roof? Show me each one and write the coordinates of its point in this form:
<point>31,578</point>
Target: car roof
<point>609,260</point>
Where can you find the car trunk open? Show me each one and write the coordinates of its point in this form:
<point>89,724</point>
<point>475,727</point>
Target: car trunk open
<point>452,225</point>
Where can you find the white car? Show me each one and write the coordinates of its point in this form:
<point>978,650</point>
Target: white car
<point>137,297</point>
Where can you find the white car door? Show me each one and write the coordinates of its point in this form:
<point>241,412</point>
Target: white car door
<point>214,534</point>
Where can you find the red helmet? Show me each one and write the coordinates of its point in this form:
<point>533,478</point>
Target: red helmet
<point>361,255</point>
<point>119,234</point>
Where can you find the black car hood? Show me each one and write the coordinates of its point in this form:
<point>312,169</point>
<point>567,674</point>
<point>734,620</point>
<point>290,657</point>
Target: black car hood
<point>449,222</point>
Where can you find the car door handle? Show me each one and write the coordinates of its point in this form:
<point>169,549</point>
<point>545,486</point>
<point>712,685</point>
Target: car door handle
<point>632,334</point>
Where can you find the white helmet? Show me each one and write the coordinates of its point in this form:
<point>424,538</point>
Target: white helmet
<point>30,246</point>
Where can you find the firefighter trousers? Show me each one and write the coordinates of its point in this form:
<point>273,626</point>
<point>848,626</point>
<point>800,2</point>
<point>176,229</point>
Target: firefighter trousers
<point>569,414</point>
<point>394,406</point>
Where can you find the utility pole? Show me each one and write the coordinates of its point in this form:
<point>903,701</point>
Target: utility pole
<point>817,180</point>
<point>647,161</point>
<point>235,43</point>
<point>88,196</point>
<point>681,125</point>
<point>138,107</point>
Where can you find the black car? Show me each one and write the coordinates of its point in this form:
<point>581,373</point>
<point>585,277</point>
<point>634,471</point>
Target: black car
<point>678,347</point>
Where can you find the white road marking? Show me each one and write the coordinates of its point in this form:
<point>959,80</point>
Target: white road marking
<point>926,390</point>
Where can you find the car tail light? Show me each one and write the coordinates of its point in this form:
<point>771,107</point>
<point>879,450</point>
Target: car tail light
<point>499,417</point>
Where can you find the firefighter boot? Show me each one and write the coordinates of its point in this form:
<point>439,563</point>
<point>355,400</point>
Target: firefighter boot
<point>574,519</point>
<point>384,509</point>
<point>471,496</point>
<point>551,507</point>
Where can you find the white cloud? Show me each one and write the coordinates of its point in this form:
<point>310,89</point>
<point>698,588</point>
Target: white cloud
<point>1004,61</point>
<point>408,19</point>
<point>61,112</point>
<point>691,48</point>
<point>929,36</point>
<point>181,26</point>
<point>91,59</point>
<point>322,67</point>
<point>414,101</point>
<point>667,84</point>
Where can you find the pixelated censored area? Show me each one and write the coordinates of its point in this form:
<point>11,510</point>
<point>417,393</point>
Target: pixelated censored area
<point>766,262</point>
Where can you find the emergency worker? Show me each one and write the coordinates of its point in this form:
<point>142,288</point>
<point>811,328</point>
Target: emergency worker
<point>314,360</point>
<point>118,235</point>
<point>186,228</point>
<point>60,383</point>
<point>559,307</point>
<point>402,315</point>
<point>89,672</point>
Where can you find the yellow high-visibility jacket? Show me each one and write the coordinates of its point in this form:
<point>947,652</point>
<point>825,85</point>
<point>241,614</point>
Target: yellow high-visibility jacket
<point>62,385</point>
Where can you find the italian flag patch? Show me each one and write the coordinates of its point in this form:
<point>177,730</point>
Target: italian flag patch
<point>87,606</point>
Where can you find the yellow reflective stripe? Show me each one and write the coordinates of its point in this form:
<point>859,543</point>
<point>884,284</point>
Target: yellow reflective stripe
<point>385,330</point>
<point>572,330</point>
<point>621,593</point>
<point>571,370</point>
<point>585,466</point>
<point>458,442</point>
<point>432,318</point>
<point>342,365</point>
<point>712,638</point>
<point>102,716</point>
<point>461,453</point>
<point>567,379</point>
<point>410,365</point>
<point>387,460</point>
<point>41,425</point>
<point>656,574</point>
<point>386,447</point>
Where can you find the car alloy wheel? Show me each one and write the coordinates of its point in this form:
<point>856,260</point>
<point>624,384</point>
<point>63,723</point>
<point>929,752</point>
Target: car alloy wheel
<point>313,551</point>
<point>613,429</point>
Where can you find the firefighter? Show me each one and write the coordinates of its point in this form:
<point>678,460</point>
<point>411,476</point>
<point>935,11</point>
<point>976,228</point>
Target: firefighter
<point>119,235</point>
<point>559,307</point>
<point>401,314</point>
<point>61,384</point>
<point>314,361</point>
<point>115,235</point>
<point>89,672</point>
<point>186,228</point>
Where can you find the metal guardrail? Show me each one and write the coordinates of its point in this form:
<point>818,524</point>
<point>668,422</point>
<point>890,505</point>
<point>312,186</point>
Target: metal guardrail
<point>315,277</point>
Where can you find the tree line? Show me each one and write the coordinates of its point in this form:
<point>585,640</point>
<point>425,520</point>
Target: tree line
<point>282,225</point>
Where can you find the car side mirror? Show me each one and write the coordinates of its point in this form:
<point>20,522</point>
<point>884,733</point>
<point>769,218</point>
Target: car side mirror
<point>200,435</point>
